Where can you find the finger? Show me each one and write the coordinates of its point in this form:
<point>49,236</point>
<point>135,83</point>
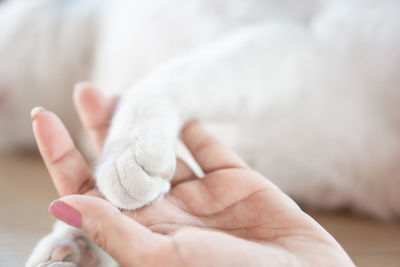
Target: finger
<point>106,226</point>
<point>68,169</point>
<point>182,173</point>
<point>95,112</point>
<point>207,150</point>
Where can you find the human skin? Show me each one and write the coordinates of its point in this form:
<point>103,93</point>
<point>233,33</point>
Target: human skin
<point>233,216</point>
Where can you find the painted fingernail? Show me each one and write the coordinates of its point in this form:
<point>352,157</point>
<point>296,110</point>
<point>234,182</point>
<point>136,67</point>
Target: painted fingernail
<point>66,213</point>
<point>35,111</point>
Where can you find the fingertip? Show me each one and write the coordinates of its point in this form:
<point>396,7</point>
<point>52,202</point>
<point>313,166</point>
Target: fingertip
<point>43,120</point>
<point>78,89</point>
<point>81,211</point>
<point>93,211</point>
<point>108,228</point>
<point>43,117</point>
<point>66,213</point>
<point>83,86</point>
<point>51,135</point>
<point>207,150</point>
<point>87,204</point>
<point>35,112</point>
<point>189,126</point>
<point>193,133</point>
<point>85,93</point>
<point>87,97</point>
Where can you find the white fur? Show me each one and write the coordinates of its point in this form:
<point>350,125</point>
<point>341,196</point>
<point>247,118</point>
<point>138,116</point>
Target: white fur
<point>64,234</point>
<point>305,91</point>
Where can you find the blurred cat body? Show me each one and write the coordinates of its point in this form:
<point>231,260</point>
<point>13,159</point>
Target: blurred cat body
<point>305,92</point>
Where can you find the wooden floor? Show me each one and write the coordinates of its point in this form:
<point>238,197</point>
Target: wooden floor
<point>26,191</point>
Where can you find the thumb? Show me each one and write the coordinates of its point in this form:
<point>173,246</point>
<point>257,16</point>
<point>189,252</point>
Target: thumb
<point>128,242</point>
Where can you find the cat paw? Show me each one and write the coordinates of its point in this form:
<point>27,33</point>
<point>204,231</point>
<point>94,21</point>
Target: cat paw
<point>68,248</point>
<point>131,176</point>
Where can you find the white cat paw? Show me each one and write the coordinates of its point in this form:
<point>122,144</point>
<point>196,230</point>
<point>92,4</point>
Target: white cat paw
<point>64,248</point>
<point>131,176</point>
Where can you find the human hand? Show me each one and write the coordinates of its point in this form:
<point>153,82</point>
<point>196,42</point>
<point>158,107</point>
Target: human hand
<point>231,217</point>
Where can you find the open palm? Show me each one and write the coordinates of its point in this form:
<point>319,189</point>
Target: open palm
<point>233,216</point>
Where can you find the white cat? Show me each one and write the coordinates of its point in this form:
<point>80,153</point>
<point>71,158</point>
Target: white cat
<point>305,92</point>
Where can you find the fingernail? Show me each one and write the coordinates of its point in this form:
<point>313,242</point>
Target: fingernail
<point>81,85</point>
<point>78,87</point>
<point>35,111</point>
<point>66,213</point>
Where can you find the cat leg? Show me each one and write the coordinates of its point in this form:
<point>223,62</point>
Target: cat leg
<point>68,247</point>
<point>264,73</point>
<point>139,153</point>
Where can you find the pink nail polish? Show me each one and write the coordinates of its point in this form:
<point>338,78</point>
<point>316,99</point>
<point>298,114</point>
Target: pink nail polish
<point>66,213</point>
